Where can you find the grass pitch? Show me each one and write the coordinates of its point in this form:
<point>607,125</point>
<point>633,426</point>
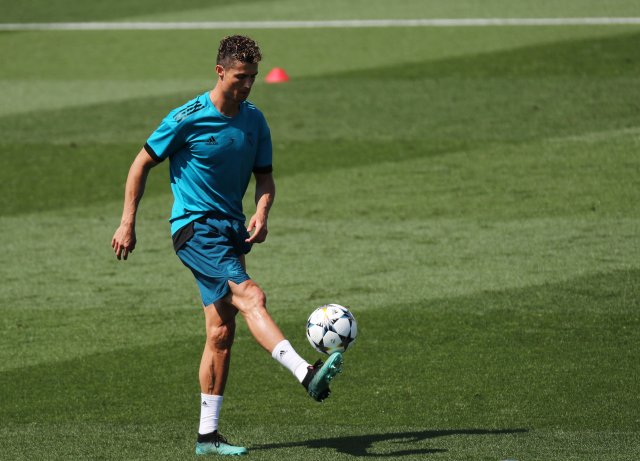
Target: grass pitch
<point>471,193</point>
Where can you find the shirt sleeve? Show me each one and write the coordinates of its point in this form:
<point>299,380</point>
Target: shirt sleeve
<point>165,140</point>
<point>264,156</point>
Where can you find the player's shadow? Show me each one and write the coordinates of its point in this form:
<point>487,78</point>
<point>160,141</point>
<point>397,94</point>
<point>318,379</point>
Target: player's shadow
<point>361,445</point>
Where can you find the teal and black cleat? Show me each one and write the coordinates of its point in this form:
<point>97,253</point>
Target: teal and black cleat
<point>320,375</point>
<point>215,444</point>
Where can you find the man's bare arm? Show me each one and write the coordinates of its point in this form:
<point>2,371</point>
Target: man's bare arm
<point>265,195</point>
<point>124,239</point>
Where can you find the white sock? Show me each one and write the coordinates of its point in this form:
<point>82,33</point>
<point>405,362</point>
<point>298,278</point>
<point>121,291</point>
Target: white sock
<point>289,358</point>
<point>209,413</point>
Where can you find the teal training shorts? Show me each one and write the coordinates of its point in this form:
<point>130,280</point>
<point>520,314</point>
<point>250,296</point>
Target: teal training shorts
<point>211,247</point>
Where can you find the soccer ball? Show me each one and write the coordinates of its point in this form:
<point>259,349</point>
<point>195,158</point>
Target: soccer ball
<point>331,328</point>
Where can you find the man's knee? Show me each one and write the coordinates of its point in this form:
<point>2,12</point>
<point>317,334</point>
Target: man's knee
<point>220,337</point>
<point>257,298</point>
<point>249,297</point>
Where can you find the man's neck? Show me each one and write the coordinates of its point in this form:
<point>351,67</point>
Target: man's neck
<point>224,105</point>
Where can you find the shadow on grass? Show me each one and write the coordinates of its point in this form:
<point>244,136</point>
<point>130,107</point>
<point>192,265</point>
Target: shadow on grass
<point>360,445</point>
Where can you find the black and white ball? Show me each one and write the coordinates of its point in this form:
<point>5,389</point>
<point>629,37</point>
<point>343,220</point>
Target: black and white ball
<point>331,328</point>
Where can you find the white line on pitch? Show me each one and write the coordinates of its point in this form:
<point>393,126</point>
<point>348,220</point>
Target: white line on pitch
<point>462,22</point>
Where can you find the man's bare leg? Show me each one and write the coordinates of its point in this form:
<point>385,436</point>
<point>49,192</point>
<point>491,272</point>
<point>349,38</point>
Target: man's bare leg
<point>220,325</point>
<point>250,300</point>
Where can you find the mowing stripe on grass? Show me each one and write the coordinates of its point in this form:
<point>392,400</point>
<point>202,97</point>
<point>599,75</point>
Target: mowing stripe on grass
<point>462,22</point>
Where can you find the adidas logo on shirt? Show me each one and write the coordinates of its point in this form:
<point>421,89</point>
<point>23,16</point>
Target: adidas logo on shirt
<point>212,141</point>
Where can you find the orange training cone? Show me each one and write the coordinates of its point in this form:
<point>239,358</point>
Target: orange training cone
<point>276,75</point>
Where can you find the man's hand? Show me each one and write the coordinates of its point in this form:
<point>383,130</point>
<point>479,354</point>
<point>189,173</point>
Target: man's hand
<point>124,241</point>
<point>257,224</point>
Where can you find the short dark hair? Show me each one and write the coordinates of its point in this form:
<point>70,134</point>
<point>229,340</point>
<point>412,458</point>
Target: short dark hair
<point>238,48</point>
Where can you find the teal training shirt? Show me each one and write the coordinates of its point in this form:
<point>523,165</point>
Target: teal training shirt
<point>211,158</point>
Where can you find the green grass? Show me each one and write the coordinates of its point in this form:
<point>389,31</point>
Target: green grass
<point>471,193</point>
<point>254,10</point>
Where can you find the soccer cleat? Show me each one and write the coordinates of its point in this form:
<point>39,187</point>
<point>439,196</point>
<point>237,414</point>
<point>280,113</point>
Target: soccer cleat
<point>215,443</point>
<point>320,375</point>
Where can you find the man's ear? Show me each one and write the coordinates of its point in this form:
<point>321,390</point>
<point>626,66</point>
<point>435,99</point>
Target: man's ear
<point>220,71</point>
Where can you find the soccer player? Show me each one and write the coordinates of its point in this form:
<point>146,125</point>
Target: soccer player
<point>214,143</point>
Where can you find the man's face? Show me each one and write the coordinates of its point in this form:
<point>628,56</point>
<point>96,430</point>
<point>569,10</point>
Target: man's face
<point>237,79</point>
